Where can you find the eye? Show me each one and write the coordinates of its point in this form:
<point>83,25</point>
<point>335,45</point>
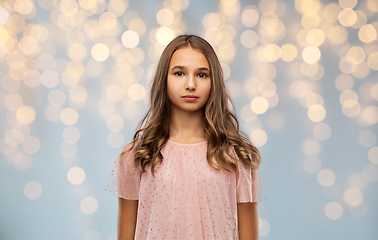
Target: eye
<point>202,75</point>
<point>178,74</point>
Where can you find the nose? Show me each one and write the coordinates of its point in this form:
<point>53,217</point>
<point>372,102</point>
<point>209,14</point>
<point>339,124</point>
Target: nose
<point>190,85</point>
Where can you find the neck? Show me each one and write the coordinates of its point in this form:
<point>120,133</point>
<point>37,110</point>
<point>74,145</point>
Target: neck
<point>186,125</point>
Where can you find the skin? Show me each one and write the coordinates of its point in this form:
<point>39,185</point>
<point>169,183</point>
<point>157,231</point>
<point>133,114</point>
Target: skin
<point>189,73</point>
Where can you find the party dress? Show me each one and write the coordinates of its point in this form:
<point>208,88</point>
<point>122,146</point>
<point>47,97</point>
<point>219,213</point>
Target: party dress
<point>187,199</point>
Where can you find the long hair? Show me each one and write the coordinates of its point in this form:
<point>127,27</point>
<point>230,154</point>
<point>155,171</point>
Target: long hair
<point>220,124</point>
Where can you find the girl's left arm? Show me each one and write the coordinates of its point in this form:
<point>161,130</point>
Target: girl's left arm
<point>248,220</point>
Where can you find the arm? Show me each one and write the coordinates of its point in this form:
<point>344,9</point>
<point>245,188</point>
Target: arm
<point>126,219</point>
<point>248,220</point>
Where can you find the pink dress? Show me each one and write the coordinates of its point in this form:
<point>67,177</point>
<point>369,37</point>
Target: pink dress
<point>187,199</point>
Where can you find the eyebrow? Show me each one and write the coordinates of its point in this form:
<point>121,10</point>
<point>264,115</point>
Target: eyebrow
<point>182,67</point>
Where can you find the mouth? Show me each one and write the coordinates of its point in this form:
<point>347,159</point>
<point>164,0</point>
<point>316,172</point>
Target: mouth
<point>190,98</point>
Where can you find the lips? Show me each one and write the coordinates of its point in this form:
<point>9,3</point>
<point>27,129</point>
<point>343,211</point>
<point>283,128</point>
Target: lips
<point>190,96</point>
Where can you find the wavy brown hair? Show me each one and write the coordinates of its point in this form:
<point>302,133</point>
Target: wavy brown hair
<point>220,124</point>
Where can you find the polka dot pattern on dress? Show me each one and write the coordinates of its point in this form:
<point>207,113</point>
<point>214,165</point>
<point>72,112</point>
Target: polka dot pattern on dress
<point>187,199</point>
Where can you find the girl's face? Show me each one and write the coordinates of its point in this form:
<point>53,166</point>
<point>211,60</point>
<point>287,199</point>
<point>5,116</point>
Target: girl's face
<point>188,74</point>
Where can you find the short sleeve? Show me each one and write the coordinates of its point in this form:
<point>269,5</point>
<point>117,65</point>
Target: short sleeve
<point>247,184</point>
<point>125,178</point>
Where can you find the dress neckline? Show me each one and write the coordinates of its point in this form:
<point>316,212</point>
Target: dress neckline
<point>190,144</point>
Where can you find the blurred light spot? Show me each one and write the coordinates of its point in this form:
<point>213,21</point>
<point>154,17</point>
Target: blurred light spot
<point>347,3</point>
<point>107,21</point>
<point>114,123</point>
<point>353,197</point>
<point>331,12</point>
<point>4,16</point>
<point>310,20</point>
<point>315,37</point>
<point>229,7</point>
<point>264,227</point>
<point>77,52</point>
<point>311,147</point>
<point>22,161</point>
<point>361,210</point>
<point>32,190</point>
<point>136,92</point>
<point>312,165</point>
<point>165,17</point>
<point>267,71</point>
<point>71,134</point>
<point>28,45</point>
<point>115,139</point>
<point>130,39</point>
<point>311,54</point>
<point>362,70</point>
<point>267,88</point>
<point>288,52</point>
<point>258,137</point>
<point>331,191</point>
<point>373,61</point>
<point>114,92</point>
<point>234,88</point>
<point>88,4</point>
<point>50,79</point>
<point>316,113</point>
<point>25,114</point>
<point>23,7</point>
<point>371,172</point>
<point>94,69</point>
<point>250,17</point>
<point>373,155</point>
<point>76,175</point>
<point>361,19</point>
<point>164,35</point>
<point>246,114</point>
<point>57,97</point>
<point>68,150</point>
<point>69,7</point>
<point>92,234</point>
<point>100,52</point>
<point>367,138</point>
<point>297,88</point>
<point>46,61</point>
<point>39,33</point>
<point>31,145</point>
<point>117,7</point>
<point>259,105</point>
<point>333,210</point>
<point>326,177</point>
<point>357,180</point>
<point>275,120</point>
<point>347,17</point>
<point>138,26</point>
<point>13,101</point>
<point>367,33</point>
<point>372,5</point>
<point>356,55</point>
<point>353,111</point>
<point>322,131</point>
<point>53,113</point>
<point>370,114</point>
<point>271,52</point>
<point>348,98</point>
<point>344,82</point>
<point>346,66</point>
<point>69,116</point>
<point>89,205</point>
<point>249,38</point>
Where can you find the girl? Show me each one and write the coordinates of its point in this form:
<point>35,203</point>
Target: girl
<point>191,174</point>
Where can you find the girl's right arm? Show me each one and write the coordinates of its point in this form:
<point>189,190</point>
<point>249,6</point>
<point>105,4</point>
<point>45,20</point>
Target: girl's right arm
<point>126,219</point>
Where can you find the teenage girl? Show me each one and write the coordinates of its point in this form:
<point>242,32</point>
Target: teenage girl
<point>189,173</point>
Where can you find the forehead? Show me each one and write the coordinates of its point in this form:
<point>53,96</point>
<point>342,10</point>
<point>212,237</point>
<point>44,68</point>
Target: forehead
<point>188,57</point>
